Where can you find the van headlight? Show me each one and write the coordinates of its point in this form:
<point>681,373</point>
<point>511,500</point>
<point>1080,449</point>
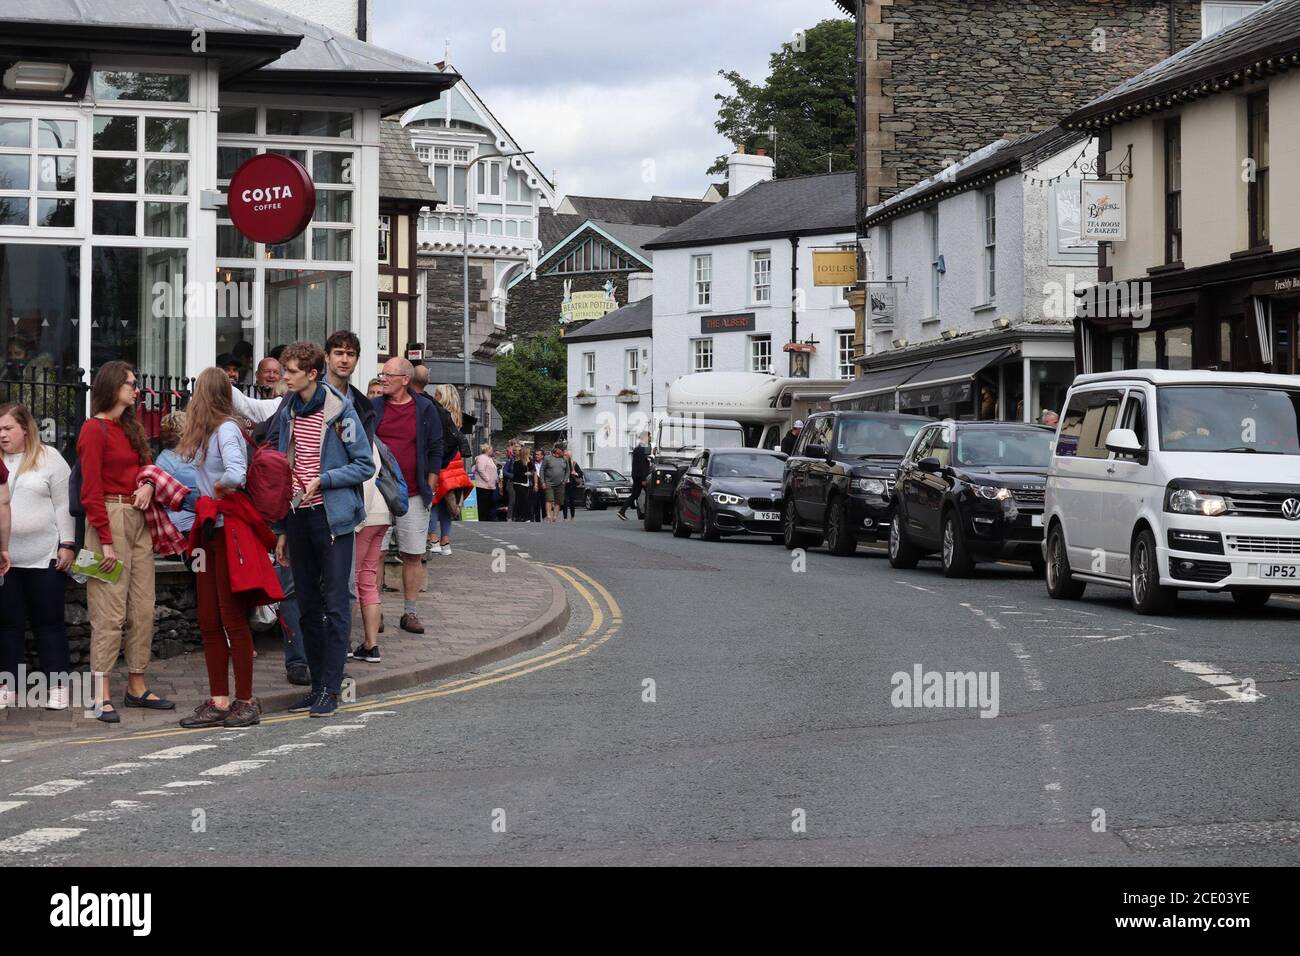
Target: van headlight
<point>868,486</point>
<point>991,492</point>
<point>1185,501</point>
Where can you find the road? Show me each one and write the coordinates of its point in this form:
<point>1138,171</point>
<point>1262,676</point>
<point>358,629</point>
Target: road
<point>724,703</point>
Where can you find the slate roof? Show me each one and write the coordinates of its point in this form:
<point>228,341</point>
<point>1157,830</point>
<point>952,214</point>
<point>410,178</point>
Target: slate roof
<point>401,175</point>
<point>661,210</point>
<point>797,206</point>
<point>275,49</point>
<point>1270,36</point>
<point>553,226</point>
<point>625,323</point>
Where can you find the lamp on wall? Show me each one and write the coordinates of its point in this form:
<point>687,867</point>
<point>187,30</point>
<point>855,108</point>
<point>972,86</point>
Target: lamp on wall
<point>36,76</point>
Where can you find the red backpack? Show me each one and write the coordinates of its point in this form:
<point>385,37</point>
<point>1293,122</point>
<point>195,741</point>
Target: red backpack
<point>270,482</point>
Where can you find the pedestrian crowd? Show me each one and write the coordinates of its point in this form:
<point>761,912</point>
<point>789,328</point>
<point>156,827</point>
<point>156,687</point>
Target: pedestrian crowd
<point>306,471</point>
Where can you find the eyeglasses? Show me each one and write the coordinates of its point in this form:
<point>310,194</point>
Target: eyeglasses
<point>132,385</point>
<point>392,375</point>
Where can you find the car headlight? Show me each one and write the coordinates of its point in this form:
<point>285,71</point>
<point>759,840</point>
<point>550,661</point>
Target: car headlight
<point>722,498</point>
<point>1184,501</point>
<point>991,492</point>
<point>869,486</point>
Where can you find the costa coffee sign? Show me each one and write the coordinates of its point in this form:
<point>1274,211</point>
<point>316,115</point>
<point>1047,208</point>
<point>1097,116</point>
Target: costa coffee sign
<point>271,198</point>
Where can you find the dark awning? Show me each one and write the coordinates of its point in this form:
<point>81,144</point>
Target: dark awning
<point>956,370</point>
<point>878,382</point>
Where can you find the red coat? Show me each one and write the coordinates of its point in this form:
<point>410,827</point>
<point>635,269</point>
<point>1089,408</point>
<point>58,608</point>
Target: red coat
<point>452,477</point>
<point>248,545</point>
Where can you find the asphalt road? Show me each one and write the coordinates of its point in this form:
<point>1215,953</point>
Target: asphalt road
<point>770,736</point>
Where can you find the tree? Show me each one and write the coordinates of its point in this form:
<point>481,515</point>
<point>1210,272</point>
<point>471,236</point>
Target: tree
<point>807,98</point>
<point>531,382</point>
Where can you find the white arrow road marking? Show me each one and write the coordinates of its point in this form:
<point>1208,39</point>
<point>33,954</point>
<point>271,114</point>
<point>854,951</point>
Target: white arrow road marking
<point>176,753</point>
<point>1233,689</point>
<point>337,730</point>
<point>51,788</point>
<point>285,749</point>
<point>34,841</point>
<point>235,768</point>
<point>115,811</point>
<point>114,769</point>
<point>7,805</point>
<point>996,625</point>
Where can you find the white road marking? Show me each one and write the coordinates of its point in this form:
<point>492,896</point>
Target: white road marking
<point>114,769</point>
<point>176,753</point>
<point>915,587</point>
<point>184,784</point>
<point>155,793</point>
<point>51,788</point>
<point>513,547</point>
<point>284,749</point>
<point>7,805</point>
<point>115,811</point>
<point>1234,688</point>
<point>33,841</point>
<point>235,768</point>
<point>996,625</point>
<point>335,730</point>
<point>1032,677</point>
<point>228,735</point>
<point>376,713</point>
<point>523,554</point>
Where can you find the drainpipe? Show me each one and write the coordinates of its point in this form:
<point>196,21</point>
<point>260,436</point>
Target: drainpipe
<point>1173,27</point>
<point>794,297</point>
<point>361,19</point>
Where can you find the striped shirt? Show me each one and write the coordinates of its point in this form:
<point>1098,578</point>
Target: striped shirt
<point>306,454</point>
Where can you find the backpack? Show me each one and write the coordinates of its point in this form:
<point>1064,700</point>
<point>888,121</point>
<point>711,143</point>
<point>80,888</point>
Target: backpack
<point>466,450</point>
<point>390,482</point>
<point>269,482</point>
<point>75,507</point>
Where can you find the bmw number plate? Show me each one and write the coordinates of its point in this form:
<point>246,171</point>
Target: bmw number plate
<point>767,516</point>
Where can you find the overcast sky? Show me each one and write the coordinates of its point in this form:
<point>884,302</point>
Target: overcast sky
<point>615,96</point>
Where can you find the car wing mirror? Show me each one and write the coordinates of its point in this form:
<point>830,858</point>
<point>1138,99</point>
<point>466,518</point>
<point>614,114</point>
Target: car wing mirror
<point>815,451</point>
<point>930,465</point>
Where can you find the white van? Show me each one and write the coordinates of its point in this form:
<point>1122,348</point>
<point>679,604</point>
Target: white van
<point>1163,481</point>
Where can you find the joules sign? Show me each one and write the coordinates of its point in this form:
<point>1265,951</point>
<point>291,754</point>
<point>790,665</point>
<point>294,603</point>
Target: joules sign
<point>271,198</point>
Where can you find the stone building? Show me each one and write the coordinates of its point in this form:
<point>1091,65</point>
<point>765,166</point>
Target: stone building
<point>404,191</point>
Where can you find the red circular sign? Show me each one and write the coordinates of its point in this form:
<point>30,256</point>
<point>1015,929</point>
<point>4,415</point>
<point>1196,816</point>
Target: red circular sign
<point>271,198</point>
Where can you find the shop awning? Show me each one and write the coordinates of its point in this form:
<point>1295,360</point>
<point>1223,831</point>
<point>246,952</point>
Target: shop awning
<point>955,370</point>
<point>878,382</point>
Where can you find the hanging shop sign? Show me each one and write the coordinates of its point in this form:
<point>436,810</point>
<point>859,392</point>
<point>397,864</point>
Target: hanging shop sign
<point>1103,209</point>
<point>835,267</point>
<point>271,198</point>
<point>584,306</point>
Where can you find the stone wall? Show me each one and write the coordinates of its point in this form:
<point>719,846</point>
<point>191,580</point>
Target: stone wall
<point>444,322</point>
<point>945,78</point>
<point>534,306</point>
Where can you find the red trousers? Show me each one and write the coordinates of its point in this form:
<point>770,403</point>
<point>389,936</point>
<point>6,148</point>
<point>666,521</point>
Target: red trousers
<point>223,624</point>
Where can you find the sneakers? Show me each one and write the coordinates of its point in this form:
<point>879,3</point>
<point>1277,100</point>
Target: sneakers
<point>207,714</point>
<point>446,549</point>
<point>243,713</point>
<point>325,705</point>
<point>304,705</point>
<point>7,698</point>
<point>298,674</point>
<point>622,516</point>
<point>410,622</point>
<point>58,699</point>
<point>435,547</point>
<point>368,654</point>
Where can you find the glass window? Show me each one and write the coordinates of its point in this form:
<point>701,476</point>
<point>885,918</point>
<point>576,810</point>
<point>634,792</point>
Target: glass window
<point>1257,129</point>
<point>1147,352</point>
<point>745,465</point>
<point>760,267</point>
<point>701,355</point>
<point>330,123</point>
<point>1178,348</point>
<point>42,167</point>
<point>632,368</point>
<point>137,85</point>
<point>760,353</point>
<point>941,447</point>
<point>1006,447</point>
<point>165,177</point>
<point>230,158</point>
<point>1173,191</point>
<point>166,134</point>
<point>1215,15</point>
<point>1135,416</point>
<point>932,228</point>
<point>702,273</point>
<point>385,230</point>
<point>306,304</point>
<point>1234,419</point>
<point>589,451</point>
<point>328,166</point>
<point>234,310</point>
<point>137,303</point>
<point>237,119</point>
<point>875,436</point>
<point>589,370</point>
<point>844,353</point>
<point>116,133</point>
<point>15,132</point>
<point>39,306</point>
<point>990,245</point>
<point>165,219</point>
<point>1087,420</point>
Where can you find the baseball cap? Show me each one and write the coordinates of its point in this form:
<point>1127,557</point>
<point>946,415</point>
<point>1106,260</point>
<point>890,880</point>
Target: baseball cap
<point>798,424</point>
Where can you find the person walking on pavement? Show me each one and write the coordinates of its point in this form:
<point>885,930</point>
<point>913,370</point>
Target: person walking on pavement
<point>521,478</point>
<point>640,472</point>
<point>411,428</point>
<point>451,476</point>
<point>537,486</point>
<point>42,536</point>
<point>555,476</point>
<point>485,483</point>
<point>572,487</point>
<point>792,436</point>
<point>216,445</point>
<point>330,459</point>
<point>111,449</point>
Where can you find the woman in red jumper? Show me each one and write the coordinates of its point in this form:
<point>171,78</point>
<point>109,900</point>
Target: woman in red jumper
<point>111,449</point>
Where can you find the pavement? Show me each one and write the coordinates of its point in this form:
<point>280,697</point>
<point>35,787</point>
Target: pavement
<point>733,703</point>
<point>470,619</point>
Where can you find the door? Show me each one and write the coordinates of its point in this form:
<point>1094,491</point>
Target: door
<point>819,473</point>
<point>909,488</point>
<point>932,487</point>
<point>691,491</point>
<point>1083,472</point>
<point>817,432</point>
<point>1127,487</point>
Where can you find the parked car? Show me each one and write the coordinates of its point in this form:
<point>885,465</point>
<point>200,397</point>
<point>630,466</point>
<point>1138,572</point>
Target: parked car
<point>1164,481</point>
<point>729,491</point>
<point>839,480</point>
<point>605,487</point>
<point>973,491</point>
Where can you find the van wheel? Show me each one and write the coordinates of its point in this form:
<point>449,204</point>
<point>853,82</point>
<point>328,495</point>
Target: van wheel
<point>902,553</point>
<point>1251,599</point>
<point>840,538</point>
<point>1061,584</point>
<point>680,528</point>
<point>1149,596</point>
<point>653,516</point>
<point>957,561</point>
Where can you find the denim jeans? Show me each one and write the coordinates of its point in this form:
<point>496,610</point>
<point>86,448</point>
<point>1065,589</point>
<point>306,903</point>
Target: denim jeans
<point>33,596</point>
<point>322,564</point>
<point>289,619</point>
<point>441,520</point>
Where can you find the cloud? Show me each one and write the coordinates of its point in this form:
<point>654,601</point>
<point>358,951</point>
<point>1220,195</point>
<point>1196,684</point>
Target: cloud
<point>615,97</point>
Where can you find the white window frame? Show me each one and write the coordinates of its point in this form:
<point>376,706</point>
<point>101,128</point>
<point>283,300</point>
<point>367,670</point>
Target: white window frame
<point>760,358</point>
<point>385,238</point>
<point>1211,7</point>
<point>932,229</point>
<point>424,154</point>
<point>844,353</point>
<point>632,368</point>
<point>989,240</point>
<point>588,449</point>
<point>702,281</point>
<point>589,370</point>
<point>483,180</point>
<point>383,319</point>
<point>702,354</point>
<point>760,277</point>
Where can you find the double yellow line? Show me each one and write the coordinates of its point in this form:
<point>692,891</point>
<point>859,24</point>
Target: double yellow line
<point>606,620</point>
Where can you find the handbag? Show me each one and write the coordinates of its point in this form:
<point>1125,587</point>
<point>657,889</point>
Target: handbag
<point>390,482</point>
<point>75,507</point>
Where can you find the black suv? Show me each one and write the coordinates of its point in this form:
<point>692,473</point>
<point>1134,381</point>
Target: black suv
<point>973,491</point>
<point>839,479</point>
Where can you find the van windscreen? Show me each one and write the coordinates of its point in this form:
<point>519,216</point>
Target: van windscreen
<point>1231,420</point>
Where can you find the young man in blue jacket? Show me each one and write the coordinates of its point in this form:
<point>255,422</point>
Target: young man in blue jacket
<point>330,459</point>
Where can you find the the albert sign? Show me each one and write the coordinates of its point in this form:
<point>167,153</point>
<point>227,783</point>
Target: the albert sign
<point>1102,205</point>
<point>271,198</point>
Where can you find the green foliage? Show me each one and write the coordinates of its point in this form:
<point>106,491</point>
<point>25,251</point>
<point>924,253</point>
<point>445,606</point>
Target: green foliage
<point>807,98</point>
<point>531,382</point>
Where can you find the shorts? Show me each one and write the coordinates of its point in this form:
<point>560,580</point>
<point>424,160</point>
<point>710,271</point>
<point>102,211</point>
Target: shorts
<point>554,494</point>
<point>411,530</point>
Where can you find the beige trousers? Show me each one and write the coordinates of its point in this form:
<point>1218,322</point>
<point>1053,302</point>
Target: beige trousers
<point>128,604</point>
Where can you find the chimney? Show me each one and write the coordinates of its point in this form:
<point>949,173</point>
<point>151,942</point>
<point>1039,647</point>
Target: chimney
<point>639,285</point>
<point>745,170</point>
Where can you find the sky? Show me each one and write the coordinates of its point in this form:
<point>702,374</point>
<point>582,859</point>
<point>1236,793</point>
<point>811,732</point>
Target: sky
<point>615,96</point>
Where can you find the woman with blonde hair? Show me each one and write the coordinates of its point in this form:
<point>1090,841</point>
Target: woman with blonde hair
<point>452,478</point>
<point>485,483</point>
<point>41,547</point>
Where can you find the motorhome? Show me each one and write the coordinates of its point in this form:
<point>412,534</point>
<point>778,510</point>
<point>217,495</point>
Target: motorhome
<point>764,405</point>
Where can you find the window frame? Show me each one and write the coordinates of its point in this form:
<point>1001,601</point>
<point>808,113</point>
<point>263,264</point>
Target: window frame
<point>700,345</point>
<point>932,230</point>
<point>1257,189</point>
<point>760,292</point>
<point>1173,164</point>
<point>632,368</point>
<point>844,370</point>
<point>701,276</point>
<point>989,234</point>
<point>753,350</point>
<point>589,370</point>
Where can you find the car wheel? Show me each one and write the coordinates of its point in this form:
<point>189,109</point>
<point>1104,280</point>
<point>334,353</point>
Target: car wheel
<point>1061,584</point>
<point>840,538</point>
<point>590,501</point>
<point>902,553</point>
<point>708,530</point>
<point>1251,599</point>
<point>778,539</point>
<point>791,536</point>
<point>680,528</point>
<point>957,562</point>
<point>653,520</point>
<point>1149,596</point>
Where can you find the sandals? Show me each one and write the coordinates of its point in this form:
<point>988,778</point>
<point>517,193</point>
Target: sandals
<point>108,716</point>
<point>157,703</point>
